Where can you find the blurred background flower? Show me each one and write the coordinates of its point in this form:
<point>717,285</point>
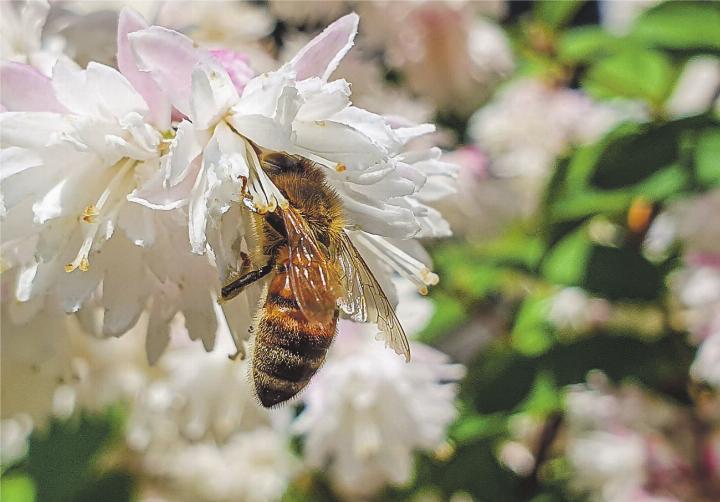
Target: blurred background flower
<point>571,350</point>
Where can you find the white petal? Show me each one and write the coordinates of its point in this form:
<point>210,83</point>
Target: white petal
<point>186,146</point>
<point>137,223</point>
<point>15,160</point>
<point>337,142</point>
<point>32,129</point>
<point>124,287</point>
<point>154,195</point>
<point>114,92</point>
<point>26,89</point>
<point>130,21</point>
<point>198,211</point>
<point>200,319</point>
<point>72,91</point>
<point>322,100</point>
<point>322,54</point>
<point>170,58</point>
<point>212,93</point>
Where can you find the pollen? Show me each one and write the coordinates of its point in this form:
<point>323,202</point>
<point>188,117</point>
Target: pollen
<point>341,168</point>
<point>273,205</point>
<point>428,277</point>
<point>90,214</point>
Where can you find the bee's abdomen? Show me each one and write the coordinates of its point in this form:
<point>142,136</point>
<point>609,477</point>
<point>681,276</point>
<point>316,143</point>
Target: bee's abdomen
<point>288,348</point>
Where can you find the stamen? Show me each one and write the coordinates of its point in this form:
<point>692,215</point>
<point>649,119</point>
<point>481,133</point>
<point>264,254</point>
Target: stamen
<point>265,195</point>
<point>407,266</point>
<point>90,214</point>
<point>109,197</point>
<point>341,168</point>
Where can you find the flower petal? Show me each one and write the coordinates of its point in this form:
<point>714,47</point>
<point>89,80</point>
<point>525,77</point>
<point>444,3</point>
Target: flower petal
<point>124,287</point>
<point>115,93</point>
<point>131,21</point>
<point>185,148</point>
<point>25,89</point>
<point>212,93</point>
<point>170,57</point>
<point>322,54</point>
<point>154,195</point>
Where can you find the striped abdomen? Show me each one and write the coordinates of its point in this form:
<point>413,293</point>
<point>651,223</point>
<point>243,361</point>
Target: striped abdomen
<point>288,348</point>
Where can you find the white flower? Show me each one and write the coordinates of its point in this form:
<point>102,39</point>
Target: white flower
<point>573,308</point>
<point>14,435</point>
<point>627,444</point>
<point>296,110</point>
<point>427,39</point>
<point>21,27</point>
<point>366,412</point>
<point>253,466</point>
<point>77,149</point>
<point>696,88</point>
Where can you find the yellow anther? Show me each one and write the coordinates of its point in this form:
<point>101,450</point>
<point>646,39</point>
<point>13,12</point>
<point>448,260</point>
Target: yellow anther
<point>423,291</point>
<point>69,267</point>
<point>89,214</point>
<point>84,264</point>
<point>341,168</point>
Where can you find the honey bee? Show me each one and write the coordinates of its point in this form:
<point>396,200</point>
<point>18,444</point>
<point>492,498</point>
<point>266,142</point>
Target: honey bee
<point>316,273</point>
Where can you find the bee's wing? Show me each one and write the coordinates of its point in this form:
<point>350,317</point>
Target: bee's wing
<point>364,299</point>
<point>313,285</point>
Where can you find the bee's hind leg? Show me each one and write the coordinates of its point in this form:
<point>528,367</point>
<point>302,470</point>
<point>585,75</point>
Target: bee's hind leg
<point>235,286</point>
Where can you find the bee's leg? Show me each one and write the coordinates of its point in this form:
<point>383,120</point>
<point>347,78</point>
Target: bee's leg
<point>235,287</point>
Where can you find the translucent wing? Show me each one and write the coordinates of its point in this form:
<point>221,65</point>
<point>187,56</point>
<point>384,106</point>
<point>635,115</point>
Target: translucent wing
<point>364,299</point>
<point>310,279</point>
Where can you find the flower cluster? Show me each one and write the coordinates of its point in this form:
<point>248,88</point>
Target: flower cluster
<point>122,188</point>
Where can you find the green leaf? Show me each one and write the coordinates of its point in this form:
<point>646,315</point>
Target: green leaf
<point>62,458</point>
<point>531,334</point>
<point>544,398</point>
<point>633,73</point>
<point>556,14</point>
<point>17,488</point>
<point>587,43</point>
<point>566,262</point>
<point>622,274</point>
<point>707,157</point>
<point>473,427</point>
<point>633,154</point>
<point>680,25</point>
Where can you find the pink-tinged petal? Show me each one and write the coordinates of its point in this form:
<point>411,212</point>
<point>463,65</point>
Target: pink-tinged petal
<point>130,21</point>
<point>236,65</point>
<point>25,89</point>
<point>322,54</point>
<point>170,57</point>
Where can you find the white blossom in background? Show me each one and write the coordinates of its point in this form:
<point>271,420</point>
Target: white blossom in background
<point>696,285</point>
<point>367,412</point>
<point>512,131</point>
<point>427,39</point>
<point>21,36</point>
<point>512,128</point>
<point>626,444</point>
<point>618,17</point>
<point>191,409</point>
<point>696,87</point>
<point>313,12</point>
<point>574,309</point>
